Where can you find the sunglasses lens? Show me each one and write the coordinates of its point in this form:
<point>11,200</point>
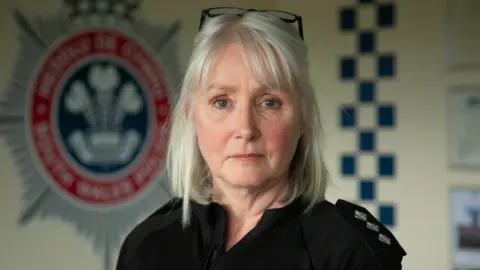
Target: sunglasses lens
<point>225,11</point>
<point>282,15</point>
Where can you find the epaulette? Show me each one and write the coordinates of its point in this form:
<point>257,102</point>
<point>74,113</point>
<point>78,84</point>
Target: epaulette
<point>379,238</point>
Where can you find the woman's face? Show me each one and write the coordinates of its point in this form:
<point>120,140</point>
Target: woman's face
<point>247,133</point>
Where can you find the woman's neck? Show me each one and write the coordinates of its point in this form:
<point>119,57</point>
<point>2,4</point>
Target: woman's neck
<point>245,207</point>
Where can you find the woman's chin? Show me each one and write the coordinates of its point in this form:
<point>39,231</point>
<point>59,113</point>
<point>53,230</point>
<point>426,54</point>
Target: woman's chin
<point>242,183</point>
<point>245,179</point>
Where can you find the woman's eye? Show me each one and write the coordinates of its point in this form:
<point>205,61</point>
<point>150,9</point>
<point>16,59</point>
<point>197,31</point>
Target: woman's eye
<point>220,103</point>
<point>271,103</point>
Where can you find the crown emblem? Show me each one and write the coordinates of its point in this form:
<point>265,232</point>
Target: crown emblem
<point>104,110</point>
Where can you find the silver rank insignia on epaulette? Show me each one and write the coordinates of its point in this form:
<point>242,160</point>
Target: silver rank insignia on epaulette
<point>372,226</point>
<point>384,239</point>
<point>360,215</point>
<point>84,117</point>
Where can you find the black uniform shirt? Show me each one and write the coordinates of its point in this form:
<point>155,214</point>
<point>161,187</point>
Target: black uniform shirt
<point>343,236</point>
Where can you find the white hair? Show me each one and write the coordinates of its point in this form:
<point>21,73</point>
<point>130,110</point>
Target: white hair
<point>277,57</point>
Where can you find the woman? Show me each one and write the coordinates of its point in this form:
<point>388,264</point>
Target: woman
<point>245,163</point>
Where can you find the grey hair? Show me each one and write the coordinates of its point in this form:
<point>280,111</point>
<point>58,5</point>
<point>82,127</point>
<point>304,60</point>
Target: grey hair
<point>278,58</point>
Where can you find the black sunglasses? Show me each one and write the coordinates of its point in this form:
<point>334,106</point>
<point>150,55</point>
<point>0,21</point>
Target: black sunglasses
<point>282,15</point>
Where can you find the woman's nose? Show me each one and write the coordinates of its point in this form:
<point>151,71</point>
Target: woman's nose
<point>245,125</point>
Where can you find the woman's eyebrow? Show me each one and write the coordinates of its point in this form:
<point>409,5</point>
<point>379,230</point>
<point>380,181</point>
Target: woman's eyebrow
<point>217,86</point>
<point>231,88</point>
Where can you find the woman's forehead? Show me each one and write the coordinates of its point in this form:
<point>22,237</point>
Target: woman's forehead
<point>236,62</point>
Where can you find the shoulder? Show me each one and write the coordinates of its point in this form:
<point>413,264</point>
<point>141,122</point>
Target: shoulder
<point>347,229</point>
<point>167,215</point>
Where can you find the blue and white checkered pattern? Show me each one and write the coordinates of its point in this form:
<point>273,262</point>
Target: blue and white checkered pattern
<point>367,115</point>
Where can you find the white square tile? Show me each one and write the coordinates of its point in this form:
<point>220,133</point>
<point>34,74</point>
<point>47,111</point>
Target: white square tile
<point>367,165</point>
<point>344,141</point>
<point>387,141</point>
<point>367,66</point>
<point>341,188</point>
<point>347,44</point>
<point>349,92</point>
<point>366,116</point>
<point>386,40</point>
<point>341,93</point>
<point>366,17</point>
<point>388,91</point>
<point>388,191</point>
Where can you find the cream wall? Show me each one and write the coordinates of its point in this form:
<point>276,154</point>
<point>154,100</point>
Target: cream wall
<point>419,90</point>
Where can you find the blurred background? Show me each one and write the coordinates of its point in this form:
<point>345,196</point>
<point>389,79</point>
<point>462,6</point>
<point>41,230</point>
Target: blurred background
<point>400,88</point>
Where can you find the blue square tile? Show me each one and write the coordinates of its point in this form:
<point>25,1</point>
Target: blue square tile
<point>367,190</point>
<point>386,66</point>
<point>366,92</point>
<point>387,215</point>
<point>348,19</point>
<point>348,165</point>
<point>366,42</point>
<point>348,117</point>
<point>366,140</point>
<point>386,15</point>
<point>386,166</point>
<point>348,68</point>
<point>386,116</point>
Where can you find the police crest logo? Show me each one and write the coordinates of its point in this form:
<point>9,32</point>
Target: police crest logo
<point>84,116</point>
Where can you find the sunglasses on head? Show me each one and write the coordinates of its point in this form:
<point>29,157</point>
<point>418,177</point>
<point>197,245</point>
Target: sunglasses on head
<point>282,15</point>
